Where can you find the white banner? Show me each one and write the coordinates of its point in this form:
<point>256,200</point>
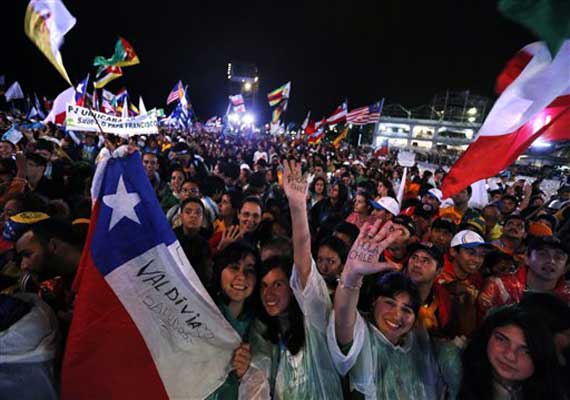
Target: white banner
<point>83,119</point>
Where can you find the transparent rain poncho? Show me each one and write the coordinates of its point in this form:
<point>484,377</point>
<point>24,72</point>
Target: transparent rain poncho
<point>418,369</point>
<point>309,374</point>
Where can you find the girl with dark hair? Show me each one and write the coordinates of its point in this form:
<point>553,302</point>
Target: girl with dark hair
<point>361,210</point>
<point>384,356</point>
<point>385,188</point>
<point>317,190</point>
<point>333,205</point>
<point>296,304</point>
<point>510,356</point>
<point>331,256</point>
<point>235,291</point>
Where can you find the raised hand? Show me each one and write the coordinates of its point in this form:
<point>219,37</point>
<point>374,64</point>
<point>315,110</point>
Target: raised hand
<point>295,183</point>
<point>230,235</point>
<point>241,359</point>
<point>363,258</point>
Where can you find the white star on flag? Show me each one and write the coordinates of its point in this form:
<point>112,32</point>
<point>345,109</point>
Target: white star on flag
<point>123,204</point>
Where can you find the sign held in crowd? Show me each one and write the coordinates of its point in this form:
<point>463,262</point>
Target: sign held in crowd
<point>83,119</point>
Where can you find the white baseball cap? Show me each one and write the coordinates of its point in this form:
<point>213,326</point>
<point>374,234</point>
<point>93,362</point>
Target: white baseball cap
<point>244,166</point>
<point>435,193</point>
<point>468,239</point>
<point>386,203</point>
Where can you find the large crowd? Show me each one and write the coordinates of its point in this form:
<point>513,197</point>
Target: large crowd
<point>342,280</point>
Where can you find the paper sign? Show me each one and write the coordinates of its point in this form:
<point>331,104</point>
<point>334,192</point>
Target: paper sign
<point>12,135</point>
<point>406,158</point>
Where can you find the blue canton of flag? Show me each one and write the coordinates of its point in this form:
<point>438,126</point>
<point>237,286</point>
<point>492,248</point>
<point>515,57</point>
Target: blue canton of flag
<point>81,91</point>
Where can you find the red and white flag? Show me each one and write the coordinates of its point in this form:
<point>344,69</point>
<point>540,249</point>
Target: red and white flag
<point>58,111</point>
<point>339,114</point>
<point>535,104</point>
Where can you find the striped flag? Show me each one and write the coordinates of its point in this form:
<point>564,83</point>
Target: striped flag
<point>338,115</point>
<point>238,103</point>
<point>275,97</point>
<point>108,74</point>
<point>177,93</point>
<point>365,115</point>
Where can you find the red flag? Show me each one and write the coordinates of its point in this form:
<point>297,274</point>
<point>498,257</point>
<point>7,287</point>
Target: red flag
<point>536,104</point>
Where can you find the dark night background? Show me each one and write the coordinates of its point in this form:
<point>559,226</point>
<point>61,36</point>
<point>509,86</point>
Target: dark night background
<point>330,50</point>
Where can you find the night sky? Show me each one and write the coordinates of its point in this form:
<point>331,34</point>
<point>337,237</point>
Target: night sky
<point>330,50</point>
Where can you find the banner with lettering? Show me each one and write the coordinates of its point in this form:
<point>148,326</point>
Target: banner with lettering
<point>143,326</point>
<point>82,119</point>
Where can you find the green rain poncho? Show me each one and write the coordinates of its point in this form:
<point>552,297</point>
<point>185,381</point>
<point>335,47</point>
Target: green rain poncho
<point>419,369</point>
<point>309,374</point>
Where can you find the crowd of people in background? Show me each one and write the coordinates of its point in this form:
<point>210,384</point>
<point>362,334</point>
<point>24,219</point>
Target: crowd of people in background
<point>338,286</point>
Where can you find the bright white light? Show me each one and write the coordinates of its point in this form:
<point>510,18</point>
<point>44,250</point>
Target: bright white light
<point>233,118</point>
<point>540,143</point>
<point>256,78</point>
<point>247,86</point>
<point>471,119</point>
<point>537,123</point>
<point>248,119</point>
<point>472,111</point>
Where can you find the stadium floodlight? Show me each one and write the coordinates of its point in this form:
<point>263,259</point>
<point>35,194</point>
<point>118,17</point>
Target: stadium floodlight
<point>233,118</point>
<point>248,119</point>
<point>247,86</point>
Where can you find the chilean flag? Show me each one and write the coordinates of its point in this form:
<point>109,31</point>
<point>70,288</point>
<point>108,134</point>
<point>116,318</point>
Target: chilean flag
<point>143,327</point>
<point>81,92</point>
<point>535,102</point>
<point>338,115</point>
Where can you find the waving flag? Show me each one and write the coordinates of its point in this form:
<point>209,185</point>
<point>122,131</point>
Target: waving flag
<point>279,94</point>
<point>316,137</point>
<point>142,107</point>
<point>339,114</point>
<point>121,96</point>
<point>306,121</point>
<point>14,92</point>
<point>176,93</point>
<point>124,56</point>
<point>46,23</point>
<point>143,325</point>
<point>338,140</point>
<point>536,104</point>
<point>365,115</point>
<point>58,112</point>
<point>108,74</point>
<point>81,91</point>
<point>238,103</point>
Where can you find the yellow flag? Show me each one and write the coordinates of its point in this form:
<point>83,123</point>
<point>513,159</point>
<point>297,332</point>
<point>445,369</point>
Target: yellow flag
<point>337,140</point>
<point>46,23</point>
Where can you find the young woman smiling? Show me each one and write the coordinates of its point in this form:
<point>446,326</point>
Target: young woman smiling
<point>292,347</point>
<point>384,356</point>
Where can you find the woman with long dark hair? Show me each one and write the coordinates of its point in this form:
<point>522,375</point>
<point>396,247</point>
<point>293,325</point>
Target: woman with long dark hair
<point>292,349</point>
<point>317,190</point>
<point>332,206</point>
<point>235,291</point>
<point>384,356</point>
<point>511,356</point>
